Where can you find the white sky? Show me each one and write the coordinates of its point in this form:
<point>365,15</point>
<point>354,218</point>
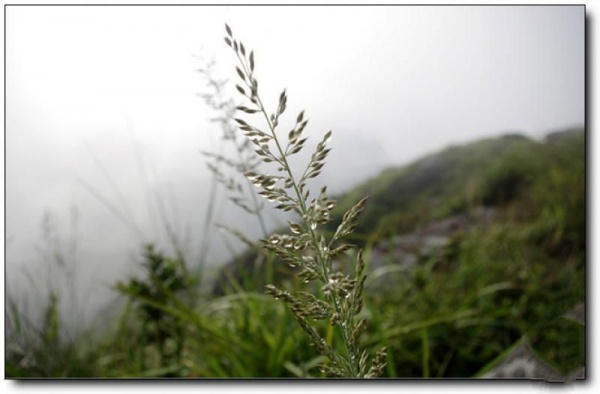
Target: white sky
<point>394,83</point>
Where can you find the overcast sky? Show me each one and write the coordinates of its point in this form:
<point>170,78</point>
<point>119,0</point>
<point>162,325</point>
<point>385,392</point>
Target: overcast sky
<point>93,91</point>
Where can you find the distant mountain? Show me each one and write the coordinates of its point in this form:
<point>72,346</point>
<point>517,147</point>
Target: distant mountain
<point>432,187</point>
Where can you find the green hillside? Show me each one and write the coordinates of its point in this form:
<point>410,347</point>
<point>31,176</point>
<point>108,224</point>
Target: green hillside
<point>511,172</point>
<point>488,172</point>
<point>518,273</point>
<point>497,279</point>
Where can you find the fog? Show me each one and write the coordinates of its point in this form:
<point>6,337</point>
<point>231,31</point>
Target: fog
<point>102,110</point>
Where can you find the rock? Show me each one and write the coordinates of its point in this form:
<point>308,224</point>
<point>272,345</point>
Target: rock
<point>522,362</point>
<point>405,250</point>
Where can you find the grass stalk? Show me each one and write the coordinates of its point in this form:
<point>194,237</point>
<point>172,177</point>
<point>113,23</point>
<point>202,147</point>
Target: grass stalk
<point>340,297</point>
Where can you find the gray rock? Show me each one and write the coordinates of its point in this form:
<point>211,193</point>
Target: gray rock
<point>522,362</point>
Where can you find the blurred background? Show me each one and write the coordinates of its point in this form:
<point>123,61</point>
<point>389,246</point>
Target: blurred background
<point>436,112</point>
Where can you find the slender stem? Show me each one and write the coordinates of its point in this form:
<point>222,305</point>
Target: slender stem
<point>322,259</point>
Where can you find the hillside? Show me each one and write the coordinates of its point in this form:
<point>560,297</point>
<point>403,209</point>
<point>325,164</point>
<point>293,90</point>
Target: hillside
<point>459,180</point>
<point>475,251</point>
<point>487,172</point>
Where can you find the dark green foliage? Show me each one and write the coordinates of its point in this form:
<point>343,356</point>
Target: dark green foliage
<point>162,288</point>
<point>251,271</point>
<point>561,342</point>
<point>504,182</point>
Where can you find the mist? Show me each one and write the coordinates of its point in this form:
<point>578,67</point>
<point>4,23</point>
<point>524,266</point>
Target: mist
<point>102,110</point>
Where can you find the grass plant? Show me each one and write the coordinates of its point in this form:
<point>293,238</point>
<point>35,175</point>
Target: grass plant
<point>227,171</point>
<point>339,296</point>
